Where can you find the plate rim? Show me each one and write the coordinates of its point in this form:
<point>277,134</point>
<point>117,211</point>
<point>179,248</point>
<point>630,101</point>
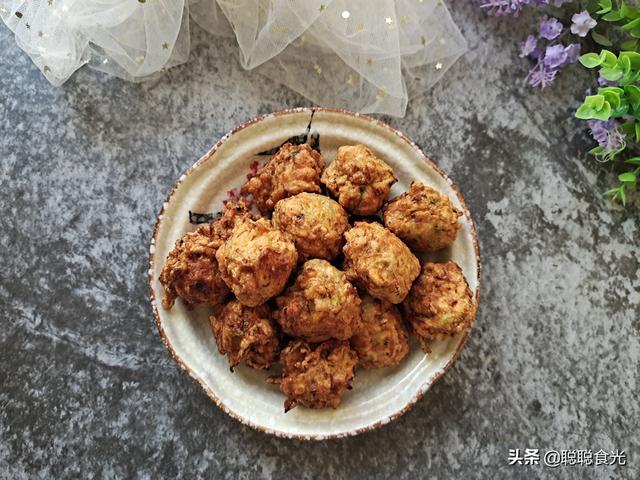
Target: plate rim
<point>424,387</point>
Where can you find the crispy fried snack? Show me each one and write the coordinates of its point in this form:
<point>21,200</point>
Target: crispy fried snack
<point>321,304</point>
<point>316,376</point>
<point>246,334</point>
<point>381,339</point>
<point>359,180</point>
<point>315,222</point>
<point>233,214</point>
<point>191,271</point>
<point>378,262</point>
<point>292,170</point>
<point>440,303</point>
<point>256,261</point>
<point>423,218</point>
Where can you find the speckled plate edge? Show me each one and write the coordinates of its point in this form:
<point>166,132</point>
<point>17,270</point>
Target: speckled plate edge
<point>425,386</point>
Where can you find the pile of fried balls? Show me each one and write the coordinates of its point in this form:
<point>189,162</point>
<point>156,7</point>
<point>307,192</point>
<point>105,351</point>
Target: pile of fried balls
<point>325,278</point>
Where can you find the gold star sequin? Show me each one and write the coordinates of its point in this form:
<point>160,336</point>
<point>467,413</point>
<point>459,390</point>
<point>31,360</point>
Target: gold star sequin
<point>50,2</point>
<point>381,94</point>
<point>438,66</point>
<point>140,58</point>
<point>3,10</point>
<point>322,7</point>
<point>40,33</point>
<point>404,20</point>
<point>350,81</point>
<point>360,27</point>
<point>388,20</point>
<point>346,14</point>
<point>442,41</point>
<point>165,46</point>
<point>423,40</point>
<point>369,61</point>
<point>46,69</point>
<point>317,68</point>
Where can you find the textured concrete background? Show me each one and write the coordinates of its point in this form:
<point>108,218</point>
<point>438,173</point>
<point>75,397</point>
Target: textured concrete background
<point>87,389</point>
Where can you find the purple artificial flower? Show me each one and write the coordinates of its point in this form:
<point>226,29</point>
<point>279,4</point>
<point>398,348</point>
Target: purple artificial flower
<point>550,28</point>
<point>608,136</point>
<point>513,7</point>
<point>541,75</point>
<point>555,56</point>
<point>529,46</point>
<point>573,52</point>
<point>581,23</point>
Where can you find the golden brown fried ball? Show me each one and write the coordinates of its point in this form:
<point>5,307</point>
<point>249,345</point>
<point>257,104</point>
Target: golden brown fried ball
<point>381,339</point>
<point>316,376</point>
<point>321,304</point>
<point>378,262</point>
<point>191,271</point>
<point>246,334</point>
<point>440,303</point>
<point>232,214</point>
<point>359,180</point>
<point>293,169</point>
<point>256,261</point>
<point>315,222</point>
<point>423,218</point>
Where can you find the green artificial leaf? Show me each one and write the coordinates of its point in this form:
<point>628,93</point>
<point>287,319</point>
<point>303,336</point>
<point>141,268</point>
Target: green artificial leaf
<point>633,161</point>
<point>612,96</point>
<point>608,59</point>
<point>633,96</point>
<point>596,150</point>
<point>586,112</point>
<point>631,25</point>
<point>601,39</point>
<point>630,44</point>
<point>634,59</point>
<point>611,74</point>
<point>590,60</point>
<point>612,16</point>
<point>629,12</point>
<point>605,6</point>
<point>637,128</point>
<point>623,196</point>
<point>628,177</point>
<point>594,101</point>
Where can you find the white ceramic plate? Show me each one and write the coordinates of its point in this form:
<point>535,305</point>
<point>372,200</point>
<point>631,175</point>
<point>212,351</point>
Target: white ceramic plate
<point>378,396</point>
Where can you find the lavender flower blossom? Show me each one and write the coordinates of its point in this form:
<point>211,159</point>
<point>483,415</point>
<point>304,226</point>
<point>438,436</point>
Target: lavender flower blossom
<point>573,52</point>
<point>608,136</point>
<point>555,56</point>
<point>529,46</point>
<point>550,28</point>
<point>541,75</point>
<point>514,7</point>
<point>582,23</point>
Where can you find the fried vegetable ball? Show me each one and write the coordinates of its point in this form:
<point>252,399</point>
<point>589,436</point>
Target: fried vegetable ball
<point>440,303</point>
<point>423,218</point>
<point>316,376</point>
<point>256,261</point>
<point>359,180</point>
<point>315,222</point>
<point>191,271</point>
<point>232,214</point>
<point>381,339</point>
<point>246,334</point>
<point>378,262</point>
<point>293,169</point>
<point>321,304</point>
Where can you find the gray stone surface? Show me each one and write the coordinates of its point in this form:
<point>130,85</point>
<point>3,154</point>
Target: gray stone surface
<point>87,389</point>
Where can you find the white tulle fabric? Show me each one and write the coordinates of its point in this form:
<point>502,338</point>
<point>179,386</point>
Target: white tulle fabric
<point>363,55</point>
